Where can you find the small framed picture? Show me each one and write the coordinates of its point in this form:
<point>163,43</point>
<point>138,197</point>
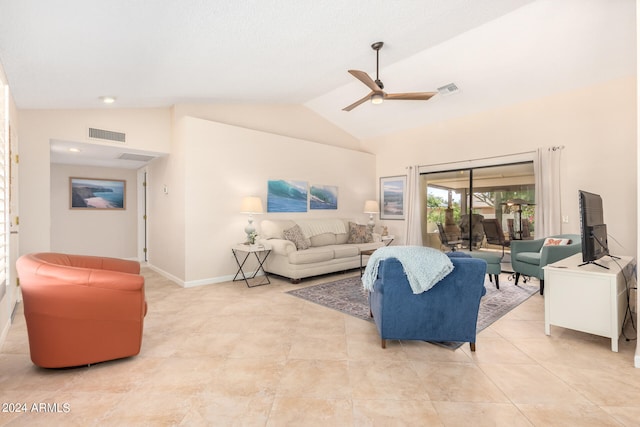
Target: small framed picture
<point>392,192</point>
<point>91,193</point>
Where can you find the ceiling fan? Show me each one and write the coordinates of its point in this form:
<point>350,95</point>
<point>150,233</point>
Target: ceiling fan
<point>377,95</point>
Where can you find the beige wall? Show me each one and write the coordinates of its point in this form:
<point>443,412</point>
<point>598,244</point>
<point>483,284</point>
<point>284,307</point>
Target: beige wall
<point>597,126</point>
<point>147,130</point>
<point>167,208</point>
<point>296,121</point>
<point>93,232</point>
<point>224,164</point>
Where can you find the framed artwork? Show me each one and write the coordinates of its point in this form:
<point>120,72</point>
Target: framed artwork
<point>91,193</point>
<point>286,196</point>
<point>392,192</point>
<point>323,197</point>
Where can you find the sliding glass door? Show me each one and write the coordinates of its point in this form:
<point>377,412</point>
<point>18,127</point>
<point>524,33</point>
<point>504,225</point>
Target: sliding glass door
<point>446,202</point>
<point>458,201</point>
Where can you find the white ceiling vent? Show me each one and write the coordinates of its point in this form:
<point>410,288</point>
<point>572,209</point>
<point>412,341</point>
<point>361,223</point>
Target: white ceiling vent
<point>108,135</point>
<point>449,89</point>
<point>136,157</point>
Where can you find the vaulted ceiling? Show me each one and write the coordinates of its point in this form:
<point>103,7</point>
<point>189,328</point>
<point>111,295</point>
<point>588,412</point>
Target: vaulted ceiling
<point>67,54</point>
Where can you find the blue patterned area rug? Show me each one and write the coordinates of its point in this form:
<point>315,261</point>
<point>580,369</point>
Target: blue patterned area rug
<point>349,297</point>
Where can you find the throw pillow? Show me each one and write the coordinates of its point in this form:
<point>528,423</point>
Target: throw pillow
<point>360,233</point>
<point>550,241</point>
<point>294,234</point>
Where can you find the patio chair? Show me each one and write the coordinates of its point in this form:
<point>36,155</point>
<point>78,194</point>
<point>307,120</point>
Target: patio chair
<point>494,234</point>
<point>446,240</point>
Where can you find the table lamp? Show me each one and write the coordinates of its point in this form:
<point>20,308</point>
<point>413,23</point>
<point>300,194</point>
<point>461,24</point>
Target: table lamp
<point>371,207</point>
<point>251,205</point>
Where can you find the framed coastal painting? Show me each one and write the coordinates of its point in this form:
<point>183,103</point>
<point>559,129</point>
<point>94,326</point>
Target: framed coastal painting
<point>92,193</point>
<point>323,197</point>
<point>392,195</point>
<point>286,196</point>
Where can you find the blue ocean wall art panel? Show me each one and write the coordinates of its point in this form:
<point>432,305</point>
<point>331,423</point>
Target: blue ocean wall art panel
<point>323,197</point>
<point>286,196</point>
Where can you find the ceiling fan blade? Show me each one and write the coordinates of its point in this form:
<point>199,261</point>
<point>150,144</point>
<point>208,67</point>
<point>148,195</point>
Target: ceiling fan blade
<point>416,96</point>
<point>358,102</point>
<point>364,78</point>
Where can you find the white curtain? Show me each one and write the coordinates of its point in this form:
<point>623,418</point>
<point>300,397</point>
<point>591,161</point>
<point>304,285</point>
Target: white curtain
<point>412,220</point>
<point>548,190</point>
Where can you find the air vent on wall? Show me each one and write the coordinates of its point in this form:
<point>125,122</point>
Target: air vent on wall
<point>136,157</point>
<point>108,135</point>
<point>449,89</point>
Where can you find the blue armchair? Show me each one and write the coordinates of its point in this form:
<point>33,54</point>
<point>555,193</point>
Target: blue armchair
<point>528,257</point>
<point>446,312</point>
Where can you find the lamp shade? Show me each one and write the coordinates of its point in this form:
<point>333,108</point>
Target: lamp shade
<point>251,205</point>
<point>521,202</point>
<point>371,207</point>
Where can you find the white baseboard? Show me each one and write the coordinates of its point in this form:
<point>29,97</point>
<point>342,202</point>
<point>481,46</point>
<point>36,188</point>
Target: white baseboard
<point>194,283</point>
<point>211,281</point>
<point>169,276</point>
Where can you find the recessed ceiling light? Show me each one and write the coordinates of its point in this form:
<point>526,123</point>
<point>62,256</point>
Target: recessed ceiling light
<point>108,99</point>
<point>74,150</point>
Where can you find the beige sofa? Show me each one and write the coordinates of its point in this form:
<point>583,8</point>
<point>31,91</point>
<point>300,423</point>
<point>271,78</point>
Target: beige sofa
<point>328,248</point>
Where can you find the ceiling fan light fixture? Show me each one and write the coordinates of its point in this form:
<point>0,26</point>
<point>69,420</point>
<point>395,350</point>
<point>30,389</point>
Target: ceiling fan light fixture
<point>377,94</point>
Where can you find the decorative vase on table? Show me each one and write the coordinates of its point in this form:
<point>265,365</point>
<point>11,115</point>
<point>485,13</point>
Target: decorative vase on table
<point>251,238</point>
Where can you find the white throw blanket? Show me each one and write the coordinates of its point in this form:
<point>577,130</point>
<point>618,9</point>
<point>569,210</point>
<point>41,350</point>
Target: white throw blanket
<point>314,227</point>
<point>423,266</point>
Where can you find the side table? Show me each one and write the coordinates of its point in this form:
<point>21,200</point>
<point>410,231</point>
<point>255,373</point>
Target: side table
<point>261,252</point>
<point>388,239</point>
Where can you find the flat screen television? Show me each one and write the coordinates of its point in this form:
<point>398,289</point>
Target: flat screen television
<point>593,230</point>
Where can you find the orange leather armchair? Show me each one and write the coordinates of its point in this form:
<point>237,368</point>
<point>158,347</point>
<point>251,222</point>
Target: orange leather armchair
<point>81,309</point>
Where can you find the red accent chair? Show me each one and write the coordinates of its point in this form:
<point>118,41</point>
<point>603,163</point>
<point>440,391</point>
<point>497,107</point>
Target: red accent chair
<point>81,309</point>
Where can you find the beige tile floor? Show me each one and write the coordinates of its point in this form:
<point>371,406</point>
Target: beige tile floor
<point>224,354</point>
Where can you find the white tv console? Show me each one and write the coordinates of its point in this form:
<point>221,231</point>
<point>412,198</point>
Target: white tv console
<point>589,298</point>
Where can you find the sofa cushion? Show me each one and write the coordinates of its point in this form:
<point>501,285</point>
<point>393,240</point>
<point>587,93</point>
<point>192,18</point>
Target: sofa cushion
<point>323,239</point>
<point>295,235</point>
<point>311,255</point>
<point>315,226</point>
<point>359,233</point>
<point>345,251</point>
<point>342,238</point>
